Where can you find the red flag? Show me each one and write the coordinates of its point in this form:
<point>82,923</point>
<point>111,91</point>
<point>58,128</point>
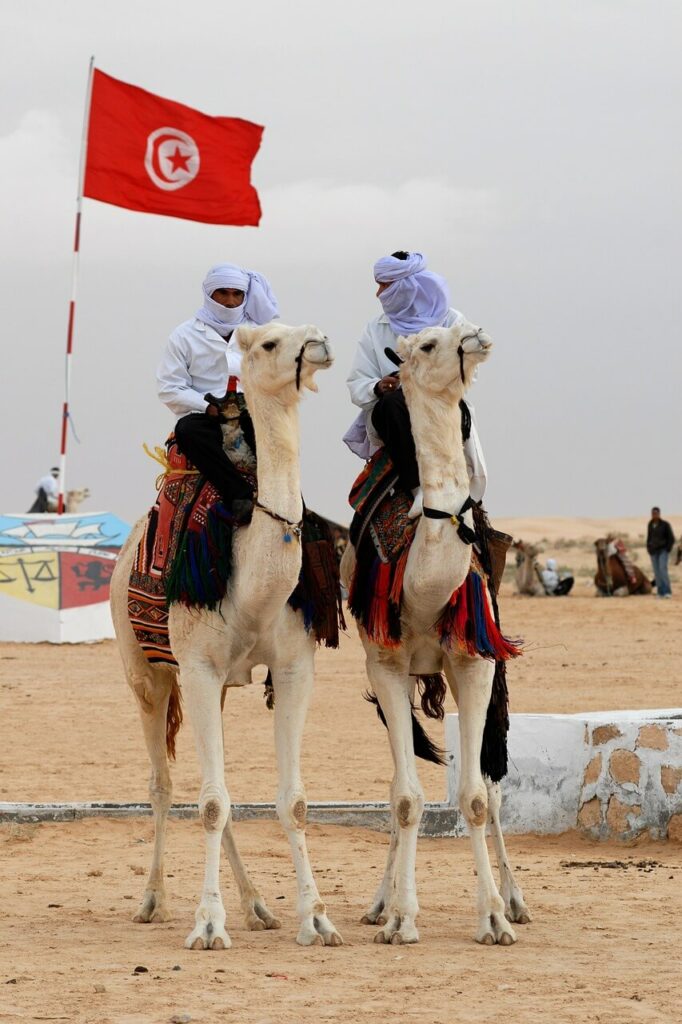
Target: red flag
<point>157,156</point>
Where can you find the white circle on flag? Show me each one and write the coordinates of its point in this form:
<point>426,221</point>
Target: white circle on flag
<point>172,158</point>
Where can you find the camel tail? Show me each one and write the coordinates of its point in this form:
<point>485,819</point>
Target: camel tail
<point>494,745</point>
<point>173,718</point>
<point>424,747</point>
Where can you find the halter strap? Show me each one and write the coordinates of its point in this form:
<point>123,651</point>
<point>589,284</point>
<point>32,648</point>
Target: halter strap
<point>294,529</point>
<point>466,534</point>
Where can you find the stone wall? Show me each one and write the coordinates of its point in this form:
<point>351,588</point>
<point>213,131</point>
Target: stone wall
<point>609,774</point>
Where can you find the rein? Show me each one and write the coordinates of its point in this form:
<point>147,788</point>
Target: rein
<point>291,529</point>
<point>466,534</point>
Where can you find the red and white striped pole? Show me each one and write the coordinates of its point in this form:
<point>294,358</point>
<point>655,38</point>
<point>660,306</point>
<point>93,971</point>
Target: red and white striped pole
<point>74,288</point>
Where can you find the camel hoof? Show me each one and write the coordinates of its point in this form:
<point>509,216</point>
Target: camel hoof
<point>523,919</point>
<point>256,925</point>
<point>506,939</point>
<point>258,917</point>
<point>487,940</point>
<point>381,920</point>
<point>335,939</point>
<point>217,943</point>
<point>380,938</point>
<point>396,939</point>
<point>197,944</point>
<point>366,919</point>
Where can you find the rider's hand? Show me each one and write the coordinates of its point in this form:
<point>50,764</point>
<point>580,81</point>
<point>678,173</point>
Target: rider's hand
<point>386,385</point>
<point>212,410</point>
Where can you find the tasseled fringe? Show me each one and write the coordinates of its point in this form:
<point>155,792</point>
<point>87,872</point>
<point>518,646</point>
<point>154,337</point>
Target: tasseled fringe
<point>269,692</point>
<point>202,565</point>
<point>468,625</point>
<point>318,593</point>
<point>494,745</point>
<point>432,691</point>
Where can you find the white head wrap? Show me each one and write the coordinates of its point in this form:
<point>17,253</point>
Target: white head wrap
<point>259,305</point>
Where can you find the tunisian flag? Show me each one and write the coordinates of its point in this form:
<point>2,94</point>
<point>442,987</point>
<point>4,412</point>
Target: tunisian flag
<point>151,154</point>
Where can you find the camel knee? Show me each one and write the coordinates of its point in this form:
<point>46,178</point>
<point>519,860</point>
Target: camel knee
<point>293,810</point>
<point>408,809</point>
<point>160,789</point>
<point>214,808</point>
<point>474,806</point>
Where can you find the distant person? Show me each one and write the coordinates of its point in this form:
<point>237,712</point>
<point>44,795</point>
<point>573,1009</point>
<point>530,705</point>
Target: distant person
<point>47,492</point>
<point>200,357</point>
<point>660,541</point>
<point>554,584</point>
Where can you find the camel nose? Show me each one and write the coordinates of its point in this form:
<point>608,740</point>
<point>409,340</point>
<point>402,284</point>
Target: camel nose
<point>318,350</point>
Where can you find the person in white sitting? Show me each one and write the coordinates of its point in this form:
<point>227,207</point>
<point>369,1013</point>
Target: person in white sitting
<point>412,298</point>
<point>201,357</point>
<point>554,584</point>
<point>47,492</point>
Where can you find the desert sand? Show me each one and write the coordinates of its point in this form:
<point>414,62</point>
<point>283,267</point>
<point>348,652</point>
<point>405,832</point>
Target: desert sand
<point>602,946</point>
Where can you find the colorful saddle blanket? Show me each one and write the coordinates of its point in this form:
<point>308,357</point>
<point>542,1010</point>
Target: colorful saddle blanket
<point>382,535</point>
<point>185,555</point>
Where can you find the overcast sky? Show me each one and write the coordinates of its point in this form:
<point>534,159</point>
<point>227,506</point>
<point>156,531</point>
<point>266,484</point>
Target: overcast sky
<point>532,151</point>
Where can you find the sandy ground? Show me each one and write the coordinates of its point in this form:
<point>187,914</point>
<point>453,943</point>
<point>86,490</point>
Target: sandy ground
<point>603,943</point>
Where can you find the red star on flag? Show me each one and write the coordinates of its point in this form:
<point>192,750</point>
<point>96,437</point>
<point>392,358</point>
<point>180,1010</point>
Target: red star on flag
<point>178,160</point>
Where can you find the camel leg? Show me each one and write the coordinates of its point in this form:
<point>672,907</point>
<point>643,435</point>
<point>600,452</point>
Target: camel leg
<point>201,688</point>
<point>376,913</point>
<point>293,684</point>
<point>152,698</point>
<point>514,904</point>
<point>474,683</point>
<point>392,685</point>
<point>256,914</point>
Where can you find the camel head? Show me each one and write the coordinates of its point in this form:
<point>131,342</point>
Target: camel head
<point>442,358</point>
<point>74,499</point>
<point>280,359</point>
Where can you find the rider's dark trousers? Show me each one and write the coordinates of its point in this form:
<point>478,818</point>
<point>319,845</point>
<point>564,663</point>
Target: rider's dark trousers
<point>391,420</point>
<point>200,438</point>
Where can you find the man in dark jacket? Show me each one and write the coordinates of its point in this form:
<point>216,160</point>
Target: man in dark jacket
<point>659,543</point>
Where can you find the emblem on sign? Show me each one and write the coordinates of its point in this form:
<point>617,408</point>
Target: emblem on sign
<point>172,158</point>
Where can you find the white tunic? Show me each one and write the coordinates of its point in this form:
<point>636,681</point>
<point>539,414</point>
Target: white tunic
<point>50,485</point>
<point>196,361</point>
<point>369,366</point>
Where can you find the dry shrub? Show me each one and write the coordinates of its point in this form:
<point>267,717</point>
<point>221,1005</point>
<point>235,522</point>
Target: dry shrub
<point>16,832</point>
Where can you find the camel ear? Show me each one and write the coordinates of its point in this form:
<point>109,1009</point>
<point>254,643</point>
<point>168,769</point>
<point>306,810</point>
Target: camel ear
<point>402,347</point>
<point>245,337</point>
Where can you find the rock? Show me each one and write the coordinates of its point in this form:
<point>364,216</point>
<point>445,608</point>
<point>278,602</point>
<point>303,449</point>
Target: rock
<point>670,778</point>
<point>618,813</point>
<point>654,737</point>
<point>604,733</point>
<point>100,988</point>
<point>180,1018</point>
<point>675,828</point>
<point>624,766</point>
<point>141,970</point>
<point>590,814</point>
<point>593,771</point>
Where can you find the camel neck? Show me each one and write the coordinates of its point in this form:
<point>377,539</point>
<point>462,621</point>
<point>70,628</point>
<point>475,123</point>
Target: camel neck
<point>276,426</point>
<point>437,432</point>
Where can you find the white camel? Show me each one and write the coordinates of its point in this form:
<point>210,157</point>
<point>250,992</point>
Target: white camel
<point>217,649</point>
<point>438,363</point>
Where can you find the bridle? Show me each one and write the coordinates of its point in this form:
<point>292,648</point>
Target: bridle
<point>460,349</point>
<point>299,359</point>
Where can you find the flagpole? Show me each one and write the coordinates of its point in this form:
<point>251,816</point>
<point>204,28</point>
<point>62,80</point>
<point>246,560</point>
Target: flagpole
<point>74,290</point>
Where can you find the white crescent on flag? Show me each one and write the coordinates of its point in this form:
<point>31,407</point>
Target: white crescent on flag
<point>171,159</point>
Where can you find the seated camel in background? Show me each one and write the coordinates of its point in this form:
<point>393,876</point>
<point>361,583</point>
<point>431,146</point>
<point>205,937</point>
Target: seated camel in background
<point>217,649</point>
<point>617,575</point>
<point>527,577</point>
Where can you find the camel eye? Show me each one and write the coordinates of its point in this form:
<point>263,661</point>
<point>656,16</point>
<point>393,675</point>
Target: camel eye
<point>428,347</point>
<point>269,345</point>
